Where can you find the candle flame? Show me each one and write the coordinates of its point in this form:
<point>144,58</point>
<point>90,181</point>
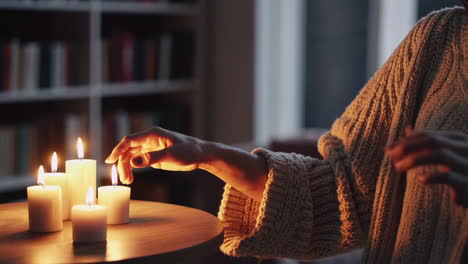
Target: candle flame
<point>114,175</point>
<point>90,196</point>
<point>40,176</point>
<point>54,162</point>
<point>80,148</point>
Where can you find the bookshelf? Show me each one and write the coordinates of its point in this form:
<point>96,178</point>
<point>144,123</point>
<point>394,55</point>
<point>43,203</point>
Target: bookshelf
<point>98,94</point>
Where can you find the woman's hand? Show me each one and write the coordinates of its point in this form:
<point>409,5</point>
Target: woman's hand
<point>168,150</point>
<point>159,148</point>
<point>445,149</point>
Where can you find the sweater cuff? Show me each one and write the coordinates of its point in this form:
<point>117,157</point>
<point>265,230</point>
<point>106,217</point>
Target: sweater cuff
<point>281,224</point>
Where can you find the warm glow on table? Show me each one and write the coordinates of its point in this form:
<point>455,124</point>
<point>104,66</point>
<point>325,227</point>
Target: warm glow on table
<point>156,233</point>
<point>44,206</point>
<point>59,179</point>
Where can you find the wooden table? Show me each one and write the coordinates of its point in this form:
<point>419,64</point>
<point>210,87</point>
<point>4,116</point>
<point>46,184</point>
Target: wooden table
<point>157,233</point>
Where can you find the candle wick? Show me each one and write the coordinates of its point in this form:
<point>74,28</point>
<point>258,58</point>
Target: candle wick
<point>113,186</point>
<point>42,186</point>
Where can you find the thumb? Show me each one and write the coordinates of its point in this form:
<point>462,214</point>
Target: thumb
<point>149,158</point>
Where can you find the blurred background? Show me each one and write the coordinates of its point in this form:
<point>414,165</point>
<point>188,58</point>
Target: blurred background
<point>271,73</point>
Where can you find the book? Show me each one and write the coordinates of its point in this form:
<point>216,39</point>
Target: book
<point>14,64</point>
<point>2,62</point>
<point>104,61</point>
<point>31,67</point>
<point>139,60</point>
<point>57,65</point>
<point>44,66</point>
<point>150,59</point>
<point>20,73</point>
<point>115,59</point>
<point>7,150</point>
<point>22,144</point>
<point>128,43</point>
<point>6,67</point>
<point>68,64</point>
<point>164,58</point>
<point>84,64</point>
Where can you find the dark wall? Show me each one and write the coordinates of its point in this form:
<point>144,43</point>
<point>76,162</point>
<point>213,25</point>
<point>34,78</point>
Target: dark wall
<point>232,71</point>
<point>427,6</point>
<point>336,48</point>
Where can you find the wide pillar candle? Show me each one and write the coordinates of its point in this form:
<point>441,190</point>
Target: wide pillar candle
<point>89,221</point>
<point>44,206</point>
<point>59,179</point>
<point>81,174</point>
<point>116,199</point>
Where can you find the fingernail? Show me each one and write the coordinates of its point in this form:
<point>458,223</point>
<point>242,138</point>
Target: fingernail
<point>137,161</point>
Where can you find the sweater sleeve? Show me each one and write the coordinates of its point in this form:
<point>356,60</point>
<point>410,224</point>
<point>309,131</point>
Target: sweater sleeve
<point>315,208</point>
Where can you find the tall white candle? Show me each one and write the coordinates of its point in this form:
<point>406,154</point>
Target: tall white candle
<point>59,179</point>
<point>116,199</point>
<point>81,174</point>
<point>89,221</point>
<point>44,206</point>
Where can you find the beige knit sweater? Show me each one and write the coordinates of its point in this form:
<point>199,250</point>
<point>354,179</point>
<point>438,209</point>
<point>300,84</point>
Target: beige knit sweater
<point>353,198</point>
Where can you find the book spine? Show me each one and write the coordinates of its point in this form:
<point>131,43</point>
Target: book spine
<point>138,60</point>
<point>104,61</point>
<point>14,65</point>
<point>68,64</point>
<point>44,66</point>
<point>127,57</point>
<point>2,63</point>
<point>7,67</point>
<point>31,67</point>
<point>21,62</point>
<point>164,63</point>
<point>150,59</point>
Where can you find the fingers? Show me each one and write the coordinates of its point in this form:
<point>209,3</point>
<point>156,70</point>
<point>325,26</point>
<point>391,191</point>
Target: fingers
<point>123,165</point>
<point>415,141</point>
<point>421,148</point>
<point>431,157</point>
<point>408,146</point>
<point>150,158</point>
<point>126,143</point>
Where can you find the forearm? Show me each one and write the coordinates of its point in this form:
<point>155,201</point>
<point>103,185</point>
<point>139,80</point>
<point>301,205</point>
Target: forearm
<point>242,170</point>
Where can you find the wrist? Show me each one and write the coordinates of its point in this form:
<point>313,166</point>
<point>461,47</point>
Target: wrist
<point>245,171</point>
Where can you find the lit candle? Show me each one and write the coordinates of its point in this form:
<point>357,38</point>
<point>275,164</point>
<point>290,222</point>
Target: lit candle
<point>59,179</point>
<point>81,174</point>
<point>44,206</point>
<point>89,222</point>
<point>116,199</point>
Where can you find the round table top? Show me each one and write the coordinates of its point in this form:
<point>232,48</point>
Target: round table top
<point>156,232</point>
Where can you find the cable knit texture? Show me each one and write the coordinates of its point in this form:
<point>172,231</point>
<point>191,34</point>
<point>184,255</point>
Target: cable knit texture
<point>353,198</point>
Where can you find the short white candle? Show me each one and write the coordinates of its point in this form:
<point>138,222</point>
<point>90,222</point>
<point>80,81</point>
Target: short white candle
<point>44,206</point>
<point>59,179</point>
<point>89,222</point>
<point>116,199</point>
<point>81,174</point>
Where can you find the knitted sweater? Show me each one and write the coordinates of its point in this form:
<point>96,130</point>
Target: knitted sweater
<point>353,197</point>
